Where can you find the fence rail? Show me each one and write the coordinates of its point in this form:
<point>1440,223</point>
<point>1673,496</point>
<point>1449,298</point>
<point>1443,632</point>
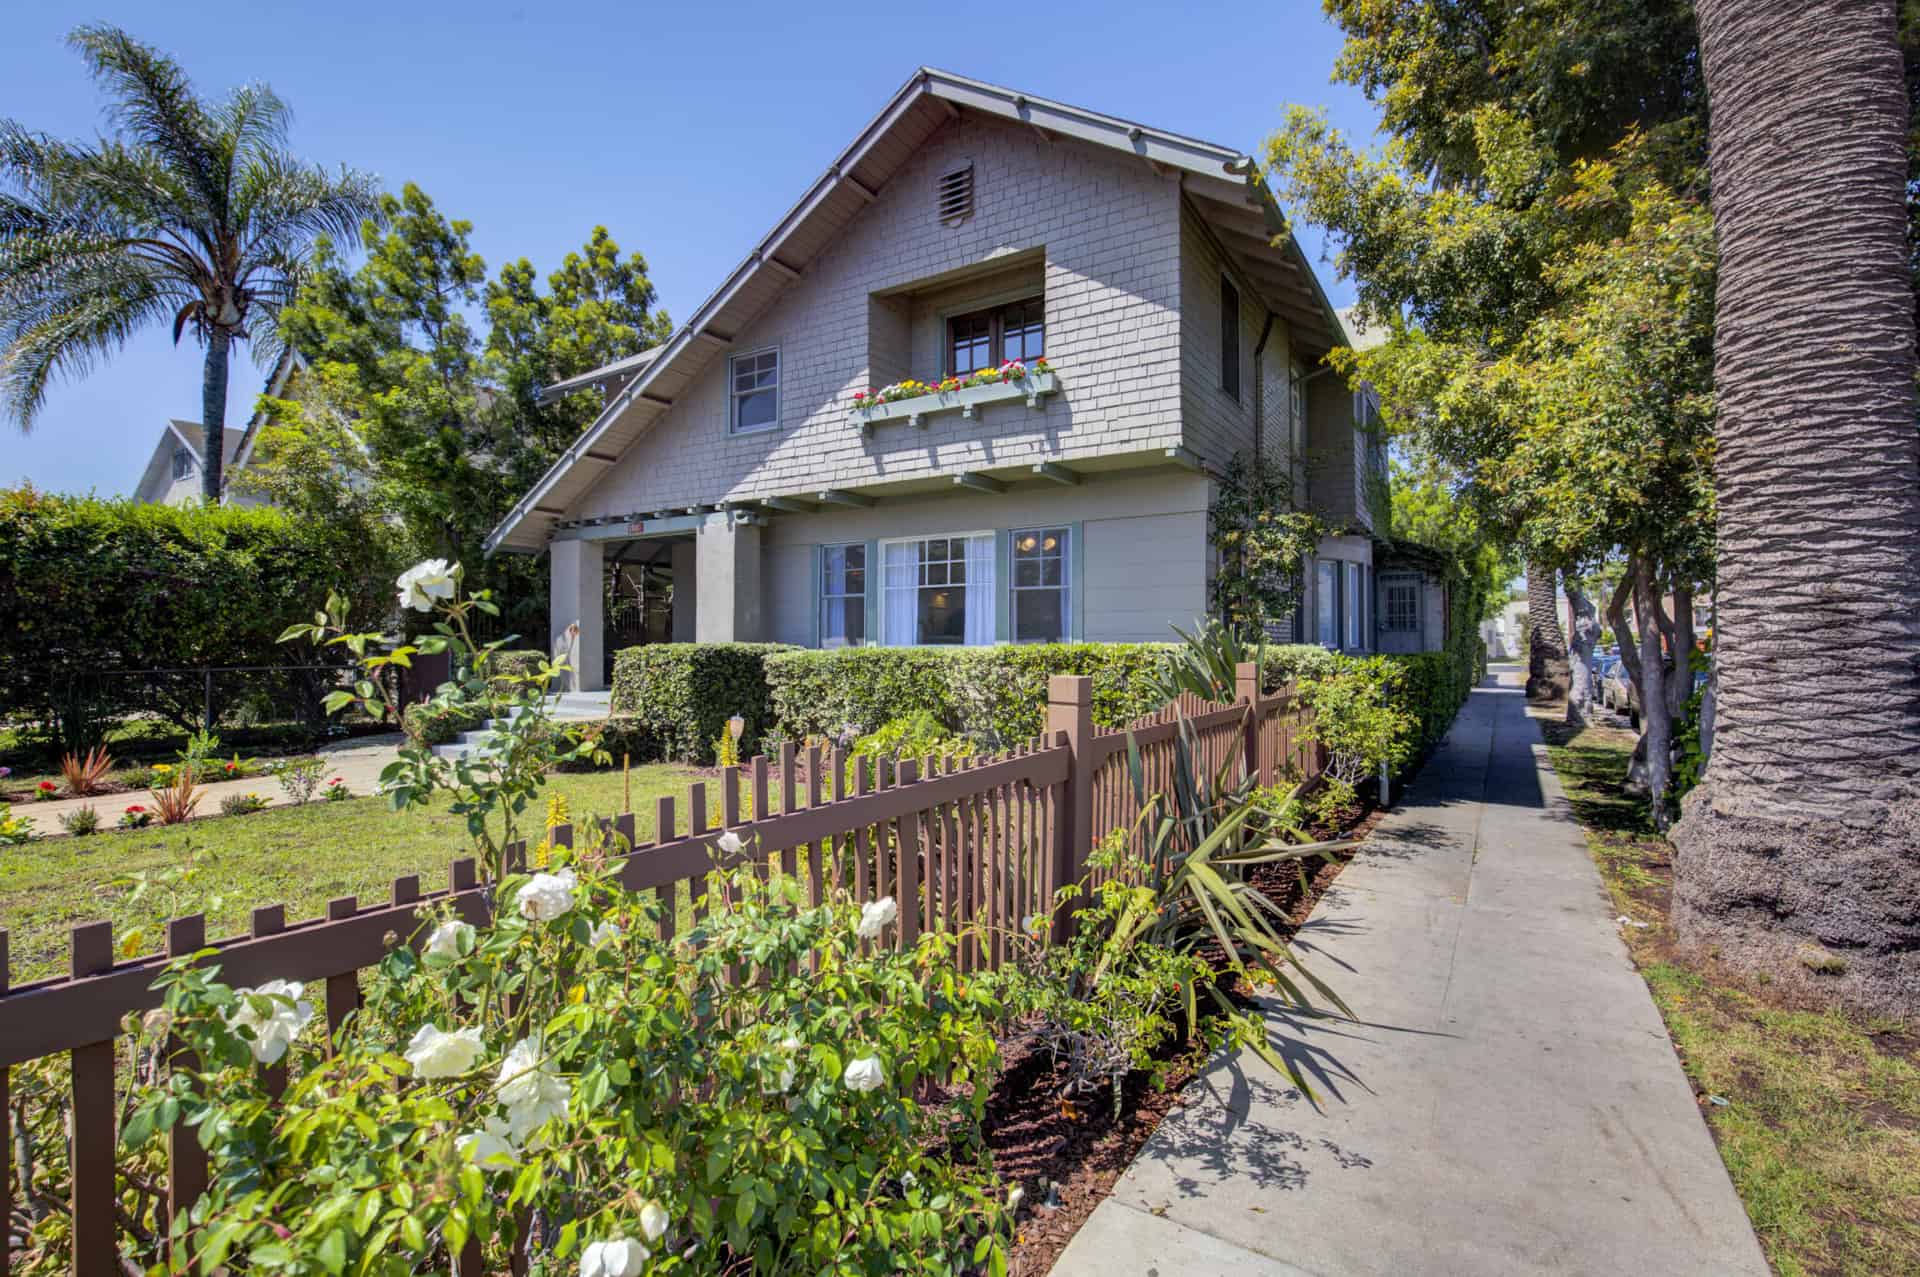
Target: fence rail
<point>961,844</point>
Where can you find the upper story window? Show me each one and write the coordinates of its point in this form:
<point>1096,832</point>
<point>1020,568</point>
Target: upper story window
<point>988,338</point>
<point>1229,337</point>
<point>182,463</point>
<point>755,397</point>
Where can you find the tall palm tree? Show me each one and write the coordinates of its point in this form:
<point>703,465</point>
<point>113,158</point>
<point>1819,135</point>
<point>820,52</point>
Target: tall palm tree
<point>1547,674</point>
<point>1800,854</point>
<point>193,214</point>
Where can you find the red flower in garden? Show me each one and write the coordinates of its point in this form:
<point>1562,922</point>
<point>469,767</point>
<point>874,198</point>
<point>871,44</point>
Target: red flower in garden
<point>47,787</point>
<point>133,807</point>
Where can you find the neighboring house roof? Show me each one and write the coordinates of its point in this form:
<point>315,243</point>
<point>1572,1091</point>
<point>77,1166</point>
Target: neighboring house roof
<point>158,478</point>
<point>608,378</point>
<point>1224,184</point>
<point>1359,335</point>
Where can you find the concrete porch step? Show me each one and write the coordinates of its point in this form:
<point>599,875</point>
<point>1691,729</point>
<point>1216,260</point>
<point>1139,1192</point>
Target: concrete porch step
<point>566,707</point>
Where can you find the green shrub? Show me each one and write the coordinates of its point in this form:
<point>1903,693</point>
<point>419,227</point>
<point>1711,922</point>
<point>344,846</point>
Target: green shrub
<point>1284,663</point>
<point>682,694</point>
<point>512,667</point>
<point>242,804</point>
<point>621,737</point>
<point>919,736</point>
<point>89,585</point>
<point>825,693</point>
<point>428,724</point>
<point>81,821</point>
<point>996,694</point>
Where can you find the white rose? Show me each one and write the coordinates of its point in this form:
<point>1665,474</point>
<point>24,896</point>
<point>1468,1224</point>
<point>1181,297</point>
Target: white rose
<point>437,1053</point>
<point>546,896</point>
<point>729,842</point>
<point>604,933</point>
<point>446,939</point>
<point>612,1259</point>
<point>426,581</point>
<point>864,1074</point>
<point>533,1094</point>
<point>1015,1196</point>
<point>277,1024</point>
<point>488,1148</point>
<point>876,916</point>
<point>653,1220</point>
<point>782,1082</point>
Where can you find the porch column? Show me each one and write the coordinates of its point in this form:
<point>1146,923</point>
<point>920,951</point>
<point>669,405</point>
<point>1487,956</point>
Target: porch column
<point>685,590</point>
<point>579,594</point>
<point>727,565</point>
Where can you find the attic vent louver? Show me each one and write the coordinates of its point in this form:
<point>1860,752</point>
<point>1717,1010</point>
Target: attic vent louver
<point>955,195</point>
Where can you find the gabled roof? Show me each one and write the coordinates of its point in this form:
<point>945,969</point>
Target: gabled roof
<point>1224,184</point>
<point>609,378</point>
<point>290,362</point>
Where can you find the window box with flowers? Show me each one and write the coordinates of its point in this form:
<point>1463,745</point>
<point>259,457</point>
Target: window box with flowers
<point>914,401</point>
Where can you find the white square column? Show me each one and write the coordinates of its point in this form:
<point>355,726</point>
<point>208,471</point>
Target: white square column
<point>727,605</point>
<point>579,594</point>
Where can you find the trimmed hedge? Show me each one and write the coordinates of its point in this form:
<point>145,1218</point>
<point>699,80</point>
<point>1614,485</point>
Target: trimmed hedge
<point>428,724</point>
<point>622,736</point>
<point>509,665</point>
<point>995,693</point>
<point>88,585</point>
<point>681,695</point>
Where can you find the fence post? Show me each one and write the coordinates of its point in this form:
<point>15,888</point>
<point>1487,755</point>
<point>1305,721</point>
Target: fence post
<point>1246,677</point>
<point>1070,723</point>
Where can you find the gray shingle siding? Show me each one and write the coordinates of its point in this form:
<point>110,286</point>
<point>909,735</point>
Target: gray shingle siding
<point>1109,229</point>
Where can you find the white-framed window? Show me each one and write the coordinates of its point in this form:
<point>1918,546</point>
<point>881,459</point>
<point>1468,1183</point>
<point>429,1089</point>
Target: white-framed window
<point>1042,589</point>
<point>938,591</point>
<point>843,594</point>
<point>1353,610</point>
<point>1400,610</point>
<point>1326,603</point>
<point>182,463</point>
<point>754,398</point>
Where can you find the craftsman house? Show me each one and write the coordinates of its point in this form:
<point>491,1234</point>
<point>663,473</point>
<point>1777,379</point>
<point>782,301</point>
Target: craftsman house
<point>1072,322</point>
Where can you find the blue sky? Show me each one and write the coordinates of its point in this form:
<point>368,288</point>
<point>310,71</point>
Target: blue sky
<point>685,129</point>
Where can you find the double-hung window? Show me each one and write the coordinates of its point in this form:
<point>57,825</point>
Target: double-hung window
<point>843,595</point>
<point>939,591</point>
<point>1355,609</point>
<point>984,339</point>
<point>182,463</point>
<point>1326,603</point>
<point>754,399</point>
<point>1042,586</point>
<point>1229,337</point>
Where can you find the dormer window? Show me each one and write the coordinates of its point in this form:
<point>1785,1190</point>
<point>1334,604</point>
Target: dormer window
<point>989,338</point>
<point>182,463</point>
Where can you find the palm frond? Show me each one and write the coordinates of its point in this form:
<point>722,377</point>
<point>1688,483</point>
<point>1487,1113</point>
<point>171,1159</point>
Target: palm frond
<point>153,100</point>
<point>68,342</point>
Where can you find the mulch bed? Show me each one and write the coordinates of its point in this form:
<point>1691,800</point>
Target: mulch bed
<point>1068,1156</point>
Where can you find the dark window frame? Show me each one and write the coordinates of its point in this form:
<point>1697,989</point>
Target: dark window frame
<point>1229,337</point>
<point>1062,556</point>
<point>995,318</point>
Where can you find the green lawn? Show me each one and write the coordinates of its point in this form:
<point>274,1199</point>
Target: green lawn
<point>297,856</point>
<point>1820,1128</point>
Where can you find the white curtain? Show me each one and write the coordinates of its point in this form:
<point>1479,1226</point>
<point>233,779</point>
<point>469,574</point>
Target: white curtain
<point>982,598</point>
<point>900,621</point>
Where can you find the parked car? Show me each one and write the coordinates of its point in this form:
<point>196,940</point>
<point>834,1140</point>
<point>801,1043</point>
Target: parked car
<point>1616,689</point>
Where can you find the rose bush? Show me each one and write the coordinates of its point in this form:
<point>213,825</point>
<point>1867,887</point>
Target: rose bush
<point>563,1083</point>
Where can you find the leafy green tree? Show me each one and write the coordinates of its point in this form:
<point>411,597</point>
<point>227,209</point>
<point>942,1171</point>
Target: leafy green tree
<point>1548,297</point>
<point>438,421</point>
<point>193,213</point>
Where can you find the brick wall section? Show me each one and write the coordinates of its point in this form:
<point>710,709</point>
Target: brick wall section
<point>1109,228</point>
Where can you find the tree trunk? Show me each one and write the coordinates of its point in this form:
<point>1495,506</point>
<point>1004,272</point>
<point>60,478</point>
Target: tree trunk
<point>1800,855</point>
<point>1584,626</point>
<point>1656,709</point>
<point>213,414</point>
<point>1546,645</point>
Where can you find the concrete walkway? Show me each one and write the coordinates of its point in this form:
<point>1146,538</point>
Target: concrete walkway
<point>1510,1102</point>
<point>357,761</point>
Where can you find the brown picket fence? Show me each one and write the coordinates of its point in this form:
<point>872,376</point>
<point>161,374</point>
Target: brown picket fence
<point>973,845</point>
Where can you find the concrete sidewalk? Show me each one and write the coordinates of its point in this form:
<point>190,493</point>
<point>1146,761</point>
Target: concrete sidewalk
<point>1510,1102</point>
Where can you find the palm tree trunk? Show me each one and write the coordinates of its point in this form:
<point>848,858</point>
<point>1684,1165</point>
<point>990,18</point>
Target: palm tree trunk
<point>1800,854</point>
<point>1546,645</point>
<point>213,414</point>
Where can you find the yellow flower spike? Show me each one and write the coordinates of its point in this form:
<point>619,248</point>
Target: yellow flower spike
<point>543,853</point>
<point>576,995</point>
<point>557,814</point>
